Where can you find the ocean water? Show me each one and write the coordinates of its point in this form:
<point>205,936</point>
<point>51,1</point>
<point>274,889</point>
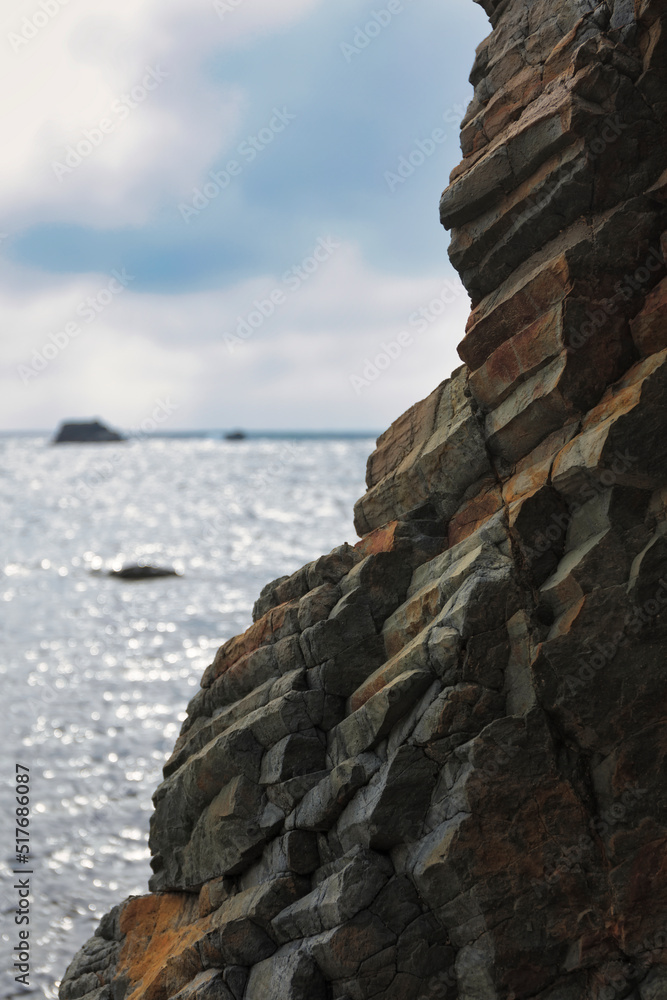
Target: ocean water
<point>95,672</point>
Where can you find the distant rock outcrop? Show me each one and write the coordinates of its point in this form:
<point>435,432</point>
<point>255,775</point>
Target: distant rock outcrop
<point>139,572</point>
<point>85,432</point>
<point>434,765</point>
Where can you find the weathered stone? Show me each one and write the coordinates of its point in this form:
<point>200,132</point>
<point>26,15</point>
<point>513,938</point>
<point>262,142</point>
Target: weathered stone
<point>340,952</point>
<point>440,579</point>
<point>433,766</point>
<point>238,932</point>
<point>229,832</point>
<point>391,807</point>
<point>296,754</point>
<point>181,800</point>
<point>475,512</point>
<point>417,540</point>
<point>295,852</point>
<point>342,675</point>
<point>335,900</point>
<point>438,468</point>
<point>366,727</point>
<point>649,330</point>
<point>206,728</point>
<point>349,623</point>
<point>464,708</point>
<point>380,582</point>
<point>215,893</point>
<point>327,569</point>
<point>322,806</point>
<point>291,975</point>
<point>611,448</point>
<point>318,604</point>
<point>286,795</point>
<point>209,985</point>
<point>240,677</point>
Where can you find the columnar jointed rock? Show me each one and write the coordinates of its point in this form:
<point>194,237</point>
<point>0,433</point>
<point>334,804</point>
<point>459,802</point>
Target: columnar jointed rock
<point>434,765</point>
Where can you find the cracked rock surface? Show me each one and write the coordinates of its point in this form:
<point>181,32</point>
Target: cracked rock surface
<point>434,765</point>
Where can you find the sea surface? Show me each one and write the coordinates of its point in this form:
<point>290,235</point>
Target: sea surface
<point>96,672</point>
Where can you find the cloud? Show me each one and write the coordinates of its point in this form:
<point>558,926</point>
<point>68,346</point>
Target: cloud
<point>111,112</point>
<point>138,102</point>
<point>296,367</point>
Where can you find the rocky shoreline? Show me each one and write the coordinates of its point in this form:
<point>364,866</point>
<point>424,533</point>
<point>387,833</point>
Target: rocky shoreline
<point>433,766</point>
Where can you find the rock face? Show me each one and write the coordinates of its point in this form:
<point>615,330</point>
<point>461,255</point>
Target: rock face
<point>85,432</point>
<point>434,765</point>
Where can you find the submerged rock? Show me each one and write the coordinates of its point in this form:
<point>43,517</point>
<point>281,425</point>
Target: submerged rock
<point>86,432</point>
<point>434,765</point>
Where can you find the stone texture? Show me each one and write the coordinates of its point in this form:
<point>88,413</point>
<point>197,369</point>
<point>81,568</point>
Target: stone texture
<point>433,766</point>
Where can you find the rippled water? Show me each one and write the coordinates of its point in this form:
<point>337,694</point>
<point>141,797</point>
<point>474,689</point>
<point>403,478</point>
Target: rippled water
<point>95,672</point>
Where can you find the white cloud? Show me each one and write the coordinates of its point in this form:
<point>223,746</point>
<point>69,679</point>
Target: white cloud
<point>69,67</point>
<point>295,369</point>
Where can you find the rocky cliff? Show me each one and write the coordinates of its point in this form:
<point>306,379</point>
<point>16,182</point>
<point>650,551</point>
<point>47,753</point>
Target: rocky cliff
<point>435,764</point>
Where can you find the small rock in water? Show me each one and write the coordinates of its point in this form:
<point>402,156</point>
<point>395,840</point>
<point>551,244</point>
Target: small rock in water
<point>136,572</point>
<point>85,432</point>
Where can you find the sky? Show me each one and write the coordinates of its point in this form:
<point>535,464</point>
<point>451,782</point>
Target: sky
<point>226,211</point>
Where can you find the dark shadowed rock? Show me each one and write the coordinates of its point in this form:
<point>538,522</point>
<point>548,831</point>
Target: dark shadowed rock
<point>138,572</point>
<point>86,432</point>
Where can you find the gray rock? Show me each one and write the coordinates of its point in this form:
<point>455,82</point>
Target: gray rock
<point>322,805</point>
<point>293,756</point>
<point>85,432</point>
<point>392,807</point>
<point>366,727</point>
<point>208,985</point>
<point>335,900</point>
<point>317,605</point>
<point>291,974</point>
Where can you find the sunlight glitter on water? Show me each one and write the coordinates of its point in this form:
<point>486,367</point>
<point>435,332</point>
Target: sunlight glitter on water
<point>96,672</point>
